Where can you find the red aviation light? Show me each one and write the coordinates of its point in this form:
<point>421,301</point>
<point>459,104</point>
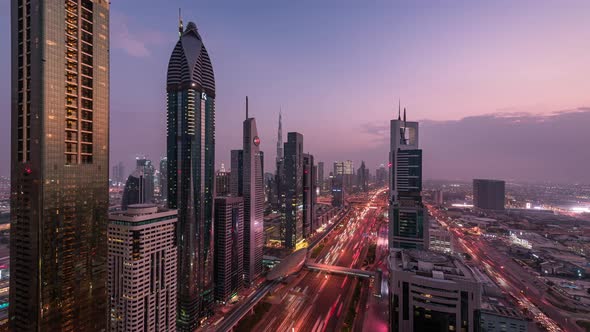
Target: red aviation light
<point>28,170</point>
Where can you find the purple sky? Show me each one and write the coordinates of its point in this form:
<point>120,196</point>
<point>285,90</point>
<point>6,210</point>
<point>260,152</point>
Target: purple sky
<point>337,69</point>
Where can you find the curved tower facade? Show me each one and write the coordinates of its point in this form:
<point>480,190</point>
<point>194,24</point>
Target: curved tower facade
<point>190,91</point>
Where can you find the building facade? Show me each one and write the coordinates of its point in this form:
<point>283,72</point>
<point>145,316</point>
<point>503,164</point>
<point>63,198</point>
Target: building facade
<point>190,92</point>
<point>253,192</point>
<point>309,195</point>
<point>293,188</point>
<point>408,222</point>
<point>142,269</point>
<point>236,179</point>
<point>222,182</point>
<point>489,194</point>
<point>229,247</point>
<point>59,165</point>
<point>431,292</point>
<point>164,180</point>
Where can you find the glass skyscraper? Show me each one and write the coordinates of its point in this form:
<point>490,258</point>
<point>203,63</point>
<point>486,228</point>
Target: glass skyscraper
<point>408,224</point>
<point>191,158</point>
<point>59,167</point>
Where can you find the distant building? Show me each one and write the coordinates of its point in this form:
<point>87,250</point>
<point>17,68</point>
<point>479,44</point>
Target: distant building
<point>431,292</point>
<point>408,222</point>
<point>437,197</point>
<point>222,182</point>
<point>337,189</point>
<point>320,177</point>
<point>145,167</point>
<point>381,176</point>
<point>229,247</point>
<point>309,195</point>
<point>293,189</point>
<point>363,178</point>
<point>142,269</point>
<point>488,194</point>
<point>134,191</point>
<point>119,173</point>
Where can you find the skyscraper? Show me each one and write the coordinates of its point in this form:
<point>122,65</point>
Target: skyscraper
<point>145,167</point>
<point>164,179</point>
<point>142,269</point>
<point>59,165</point>
<point>381,176</point>
<point>278,194</point>
<point>320,176</point>
<point>236,182</point>
<point>253,190</point>
<point>337,189</point>
<point>229,247</point>
<point>222,181</point>
<point>362,176</point>
<point>190,89</point>
<point>408,224</point>
<point>293,189</point>
<point>489,194</point>
<point>134,190</point>
<point>308,195</point>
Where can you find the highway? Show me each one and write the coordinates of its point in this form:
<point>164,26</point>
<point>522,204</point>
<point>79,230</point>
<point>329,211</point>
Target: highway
<point>318,301</point>
<point>232,319</point>
<point>529,291</point>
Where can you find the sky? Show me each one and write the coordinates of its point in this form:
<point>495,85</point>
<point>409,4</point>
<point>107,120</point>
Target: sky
<point>500,87</point>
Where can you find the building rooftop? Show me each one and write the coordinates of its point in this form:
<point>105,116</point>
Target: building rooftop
<point>430,264</point>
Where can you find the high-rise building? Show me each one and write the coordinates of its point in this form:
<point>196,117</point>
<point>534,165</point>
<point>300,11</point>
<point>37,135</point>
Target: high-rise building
<point>222,182</point>
<point>309,195</point>
<point>320,176</point>
<point>408,223</point>
<point>293,189</point>
<point>236,181</point>
<point>59,165</point>
<point>253,192</point>
<point>363,178</point>
<point>134,190</point>
<point>489,194</point>
<point>278,194</point>
<point>145,167</point>
<point>432,292</point>
<point>337,189</point>
<point>229,247</point>
<point>119,173</point>
<point>142,269</point>
<point>190,89</point>
<point>381,176</point>
<point>437,197</point>
<point>164,179</point>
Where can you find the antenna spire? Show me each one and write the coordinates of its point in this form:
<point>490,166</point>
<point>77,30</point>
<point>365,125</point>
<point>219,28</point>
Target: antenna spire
<point>404,116</point>
<point>399,109</point>
<point>246,107</point>
<point>180,26</point>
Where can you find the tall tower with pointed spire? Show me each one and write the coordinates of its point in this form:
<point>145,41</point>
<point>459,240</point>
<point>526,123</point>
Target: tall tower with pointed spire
<point>280,138</point>
<point>408,224</point>
<point>190,89</point>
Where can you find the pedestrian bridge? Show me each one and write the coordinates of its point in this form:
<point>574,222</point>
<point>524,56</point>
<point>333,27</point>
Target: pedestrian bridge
<point>340,270</point>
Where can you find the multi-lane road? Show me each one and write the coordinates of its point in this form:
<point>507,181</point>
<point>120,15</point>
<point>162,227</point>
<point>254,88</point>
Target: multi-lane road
<point>318,301</point>
<point>528,290</point>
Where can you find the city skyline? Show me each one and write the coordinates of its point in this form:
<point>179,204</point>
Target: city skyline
<point>140,44</point>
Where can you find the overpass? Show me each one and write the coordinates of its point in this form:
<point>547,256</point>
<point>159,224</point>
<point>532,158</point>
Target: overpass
<point>340,270</point>
<point>232,319</point>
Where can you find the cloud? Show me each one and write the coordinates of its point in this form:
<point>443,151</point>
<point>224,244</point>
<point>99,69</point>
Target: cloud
<point>515,146</point>
<point>135,41</point>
